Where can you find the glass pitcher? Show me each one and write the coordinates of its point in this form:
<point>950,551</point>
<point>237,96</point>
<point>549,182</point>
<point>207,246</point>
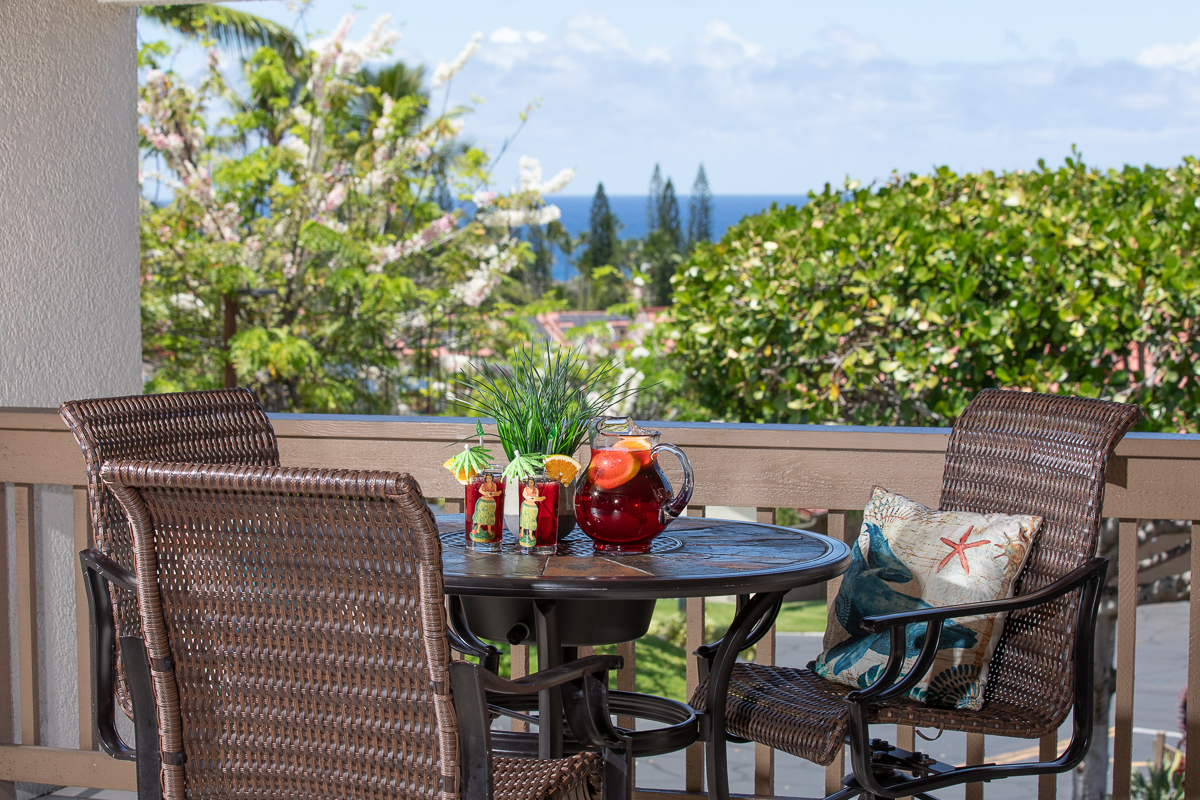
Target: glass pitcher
<point>625,500</point>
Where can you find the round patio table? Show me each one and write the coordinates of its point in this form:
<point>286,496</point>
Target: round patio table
<point>693,557</point>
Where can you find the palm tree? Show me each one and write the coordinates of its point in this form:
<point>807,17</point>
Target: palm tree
<point>396,81</point>
<point>235,30</point>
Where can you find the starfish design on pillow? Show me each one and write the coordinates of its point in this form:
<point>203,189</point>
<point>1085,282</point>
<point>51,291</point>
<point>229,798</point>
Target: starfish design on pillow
<point>960,549</point>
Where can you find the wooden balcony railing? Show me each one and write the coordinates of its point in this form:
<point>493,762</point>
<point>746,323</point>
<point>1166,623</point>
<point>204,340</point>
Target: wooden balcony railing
<point>1152,476</point>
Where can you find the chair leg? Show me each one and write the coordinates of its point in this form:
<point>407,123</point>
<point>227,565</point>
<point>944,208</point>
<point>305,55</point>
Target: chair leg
<point>716,763</point>
<point>847,793</point>
<point>145,718</point>
<point>618,774</point>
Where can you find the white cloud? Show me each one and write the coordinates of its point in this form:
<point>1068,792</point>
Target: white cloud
<point>1180,56</point>
<point>719,33</point>
<point>505,35</point>
<point>843,47</point>
<point>767,121</point>
<point>511,46</point>
<point>593,33</point>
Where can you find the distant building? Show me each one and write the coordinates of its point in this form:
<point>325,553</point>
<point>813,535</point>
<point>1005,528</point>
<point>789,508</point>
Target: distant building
<point>554,325</point>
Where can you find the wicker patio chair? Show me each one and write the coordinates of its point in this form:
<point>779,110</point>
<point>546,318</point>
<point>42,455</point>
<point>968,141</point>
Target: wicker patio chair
<point>296,630</point>
<point>1010,452</point>
<point>222,426</point>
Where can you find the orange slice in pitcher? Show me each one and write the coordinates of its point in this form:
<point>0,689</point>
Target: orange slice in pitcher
<point>562,468</point>
<point>639,446</point>
<point>612,468</point>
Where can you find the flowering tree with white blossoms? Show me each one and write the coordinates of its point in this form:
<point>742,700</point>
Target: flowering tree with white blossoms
<point>302,254</point>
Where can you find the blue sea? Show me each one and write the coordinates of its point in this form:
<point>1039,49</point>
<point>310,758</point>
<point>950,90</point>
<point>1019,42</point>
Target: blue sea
<point>728,210</point>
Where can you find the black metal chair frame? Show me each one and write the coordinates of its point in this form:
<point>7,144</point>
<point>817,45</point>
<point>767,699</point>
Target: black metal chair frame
<point>878,767</point>
<point>100,573</point>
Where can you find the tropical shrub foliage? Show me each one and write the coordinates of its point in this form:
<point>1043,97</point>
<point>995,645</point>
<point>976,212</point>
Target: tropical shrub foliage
<point>896,305</point>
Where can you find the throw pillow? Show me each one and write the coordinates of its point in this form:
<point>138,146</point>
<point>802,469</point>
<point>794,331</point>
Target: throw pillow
<point>908,557</point>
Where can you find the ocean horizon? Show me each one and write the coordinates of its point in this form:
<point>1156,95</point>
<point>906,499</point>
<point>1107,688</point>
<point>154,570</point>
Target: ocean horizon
<point>630,211</point>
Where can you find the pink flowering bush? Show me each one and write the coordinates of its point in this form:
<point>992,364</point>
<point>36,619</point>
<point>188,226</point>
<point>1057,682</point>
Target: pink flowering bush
<point>301,252</point>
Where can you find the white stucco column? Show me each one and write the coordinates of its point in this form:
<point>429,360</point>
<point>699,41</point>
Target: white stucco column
<point>69,317</point>
<point>69,310</point>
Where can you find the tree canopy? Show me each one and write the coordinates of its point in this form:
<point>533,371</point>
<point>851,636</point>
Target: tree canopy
<point>307,251</point>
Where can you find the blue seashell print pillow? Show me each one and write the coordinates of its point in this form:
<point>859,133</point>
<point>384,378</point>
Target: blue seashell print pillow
<point>909,557</point>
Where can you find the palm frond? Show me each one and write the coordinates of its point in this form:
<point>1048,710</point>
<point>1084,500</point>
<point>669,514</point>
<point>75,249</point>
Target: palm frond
<point>229,28</point>
<point>393,80</point>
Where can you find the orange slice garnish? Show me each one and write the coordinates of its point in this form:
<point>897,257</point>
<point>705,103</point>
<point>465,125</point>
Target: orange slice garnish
<point>612,468</point>
<point>638,445</point>
<point>562,468</point>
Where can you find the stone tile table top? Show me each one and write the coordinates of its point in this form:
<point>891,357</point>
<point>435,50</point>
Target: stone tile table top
<point>692,558</point>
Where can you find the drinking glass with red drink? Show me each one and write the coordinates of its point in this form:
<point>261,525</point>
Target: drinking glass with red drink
<point>625,500</point>
<point>538,530</point>
<point>485,507</point>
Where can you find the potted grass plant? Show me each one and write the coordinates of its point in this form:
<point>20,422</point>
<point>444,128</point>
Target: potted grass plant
<point>542,402</point>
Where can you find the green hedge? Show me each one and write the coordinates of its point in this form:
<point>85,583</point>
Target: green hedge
<point>896,305</point>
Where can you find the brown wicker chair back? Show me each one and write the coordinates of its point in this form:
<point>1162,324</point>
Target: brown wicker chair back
<point>295,624</point>
<point>223,426</point>
<point>1021,453</point>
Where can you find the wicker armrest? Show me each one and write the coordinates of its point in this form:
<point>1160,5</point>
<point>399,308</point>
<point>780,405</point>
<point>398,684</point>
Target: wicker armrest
<point>886,687</point>
<point>551,677</point>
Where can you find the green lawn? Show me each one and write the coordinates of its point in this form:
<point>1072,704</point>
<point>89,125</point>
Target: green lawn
<point>793,617</point>
<point>661,658</point>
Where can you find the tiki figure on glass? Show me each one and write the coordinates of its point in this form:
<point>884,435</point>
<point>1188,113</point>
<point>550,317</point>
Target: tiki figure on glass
<point>538,527</point>
<point>484,498</point>
<point>529,514</point>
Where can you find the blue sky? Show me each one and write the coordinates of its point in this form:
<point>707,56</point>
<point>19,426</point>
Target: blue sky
<point>780,97</point>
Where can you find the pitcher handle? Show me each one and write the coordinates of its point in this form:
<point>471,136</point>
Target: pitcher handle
<point>680,500</point>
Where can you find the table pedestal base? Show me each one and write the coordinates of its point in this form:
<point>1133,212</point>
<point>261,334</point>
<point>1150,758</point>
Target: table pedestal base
<point>679,725</point>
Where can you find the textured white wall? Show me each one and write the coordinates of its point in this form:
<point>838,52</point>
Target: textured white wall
<point>69,318</point>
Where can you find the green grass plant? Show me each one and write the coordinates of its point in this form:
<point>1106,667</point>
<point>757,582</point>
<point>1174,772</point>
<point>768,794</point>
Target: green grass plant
<point>543,400</point>
<point>1159,782</point>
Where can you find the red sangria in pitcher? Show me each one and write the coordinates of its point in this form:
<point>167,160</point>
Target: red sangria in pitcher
<point>625,500</point>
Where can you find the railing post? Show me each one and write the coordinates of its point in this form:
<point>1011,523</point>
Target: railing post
<point>975,755</point>
<point>83,627</point>
<point>764,755</point>
<point>838,529</point>
<point>519,668</point>
<point>1127,547</point>
<point>694,637</point>
<point>694,757</point>
<point>627,682</point>
<point>1191,778</point>
<point>27,612</point>
<point>1048,751</point>
<point>627,676</point>
<point>8,789</point>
